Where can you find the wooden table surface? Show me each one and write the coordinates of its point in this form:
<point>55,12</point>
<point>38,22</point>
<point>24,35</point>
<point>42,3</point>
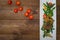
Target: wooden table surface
<point>58,20</point>
<point>17,26</point>
<point>25,29</point>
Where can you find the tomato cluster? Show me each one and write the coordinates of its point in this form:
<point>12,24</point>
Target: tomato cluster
<point>27,14</point>
<point>20,8</point>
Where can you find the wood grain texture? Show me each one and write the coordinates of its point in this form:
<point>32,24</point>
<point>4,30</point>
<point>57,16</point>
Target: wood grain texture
<point>17,26</point>
<point>7,11</point>
<point>58,20</point>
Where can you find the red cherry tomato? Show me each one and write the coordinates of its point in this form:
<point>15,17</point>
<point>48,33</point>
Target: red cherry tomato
<point>20,8</point>
<point>31,17</point>
<point>9,2</point>
<point>26,14</point>
<point>16,10</point>
<point>18,3</point>
<point>29,10</point>
<point>44,16</point>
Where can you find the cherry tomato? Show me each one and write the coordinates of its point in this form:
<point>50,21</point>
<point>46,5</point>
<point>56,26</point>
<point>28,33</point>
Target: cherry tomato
<point>44,16</point>
<point>31,17</point>
<point>16,10</point>
<point>9,2</point>
<point>29,10</point>
<point>20,8</point>
<point>18,3</point>
<point>26,14</point>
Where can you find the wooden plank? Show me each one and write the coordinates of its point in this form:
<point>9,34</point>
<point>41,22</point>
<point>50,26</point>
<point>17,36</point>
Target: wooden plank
<point>58,20</point>
<point>17,26</point>
<point>7,11</point>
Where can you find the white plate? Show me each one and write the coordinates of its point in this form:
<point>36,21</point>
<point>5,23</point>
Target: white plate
<point>41,20</point>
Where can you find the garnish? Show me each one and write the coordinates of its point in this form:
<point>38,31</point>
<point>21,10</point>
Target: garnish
<point>48,21</point>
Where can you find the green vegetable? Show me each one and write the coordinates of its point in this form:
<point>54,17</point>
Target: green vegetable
<point>49,22</point>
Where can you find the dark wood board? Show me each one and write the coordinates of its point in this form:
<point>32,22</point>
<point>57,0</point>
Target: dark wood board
<point>17,26</point>
<point>58,19</point>
<point>4,8</point>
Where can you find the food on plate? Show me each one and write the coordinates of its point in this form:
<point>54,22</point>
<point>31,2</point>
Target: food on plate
<point>48,20</point>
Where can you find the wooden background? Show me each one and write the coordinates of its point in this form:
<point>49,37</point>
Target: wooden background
<point>58,19</point>
<point>17,26</point>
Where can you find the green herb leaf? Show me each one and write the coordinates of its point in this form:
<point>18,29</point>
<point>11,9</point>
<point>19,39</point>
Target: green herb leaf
<point>45,11</point>
<point>43,35</point>
<point>48,31</point>
<point>53,8</point>
<point>44,4</point>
